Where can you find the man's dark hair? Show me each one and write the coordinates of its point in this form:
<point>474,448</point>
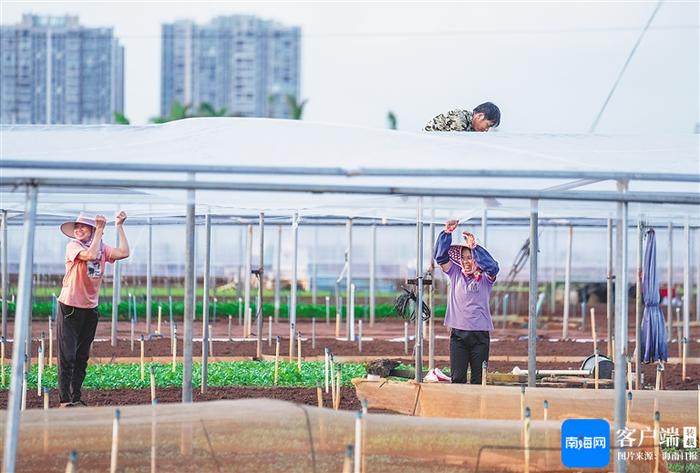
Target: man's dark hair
<point>491,112</point>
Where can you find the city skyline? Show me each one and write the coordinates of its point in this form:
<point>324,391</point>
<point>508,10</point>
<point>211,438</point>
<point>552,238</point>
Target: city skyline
<point>57,71</point>
<point>549,67</point>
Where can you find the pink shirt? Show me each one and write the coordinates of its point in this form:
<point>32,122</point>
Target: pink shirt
<point>81,284</point>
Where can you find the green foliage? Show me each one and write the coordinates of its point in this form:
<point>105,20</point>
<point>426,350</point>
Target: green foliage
<point>296,108</point>
<point>240,373</point>
<point>206,110</point>
<point>120,119</point>
<point>304,311</point>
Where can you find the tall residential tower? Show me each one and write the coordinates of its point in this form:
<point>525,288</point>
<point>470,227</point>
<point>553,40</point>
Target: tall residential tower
<point>241,63</point>
<point>54,71</point>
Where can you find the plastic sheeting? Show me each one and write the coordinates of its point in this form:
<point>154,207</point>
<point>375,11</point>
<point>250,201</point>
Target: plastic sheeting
<point>677,408</point>
<point>285,143</point>
<point>273,436</point>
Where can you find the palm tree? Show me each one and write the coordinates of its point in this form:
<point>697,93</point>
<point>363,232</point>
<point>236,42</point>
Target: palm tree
<point>206,110</point>
<point>391,119</point>
<point>296,108</point>
<point>120,119</point>
<point>178,111</point>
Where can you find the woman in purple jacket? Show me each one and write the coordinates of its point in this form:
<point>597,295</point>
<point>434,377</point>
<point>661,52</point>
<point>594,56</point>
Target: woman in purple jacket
<point>472,272</point>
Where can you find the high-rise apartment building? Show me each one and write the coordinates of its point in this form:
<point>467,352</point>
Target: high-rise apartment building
<point>52,70</point>
<point>241,63</point>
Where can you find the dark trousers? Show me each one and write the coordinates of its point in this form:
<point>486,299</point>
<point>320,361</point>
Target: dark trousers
<point>75,331</point>
<point>468,348</point>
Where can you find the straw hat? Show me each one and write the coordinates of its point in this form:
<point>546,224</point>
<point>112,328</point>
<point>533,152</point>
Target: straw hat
<point>85,219</point>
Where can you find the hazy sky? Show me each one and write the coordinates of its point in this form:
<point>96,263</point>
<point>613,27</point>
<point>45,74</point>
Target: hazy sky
<point>548,65</point>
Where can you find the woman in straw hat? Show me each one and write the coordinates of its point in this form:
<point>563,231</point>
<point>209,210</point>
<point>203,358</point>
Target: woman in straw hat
<point>86,256</point>
<point>472,272</point>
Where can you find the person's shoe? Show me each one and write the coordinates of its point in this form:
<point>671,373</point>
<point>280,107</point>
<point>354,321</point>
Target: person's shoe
<point>79,403</point>
<point>66,404</point>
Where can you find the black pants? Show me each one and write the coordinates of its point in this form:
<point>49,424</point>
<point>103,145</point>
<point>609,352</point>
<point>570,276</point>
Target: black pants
<point>468,348</point>
<point>75,331</point>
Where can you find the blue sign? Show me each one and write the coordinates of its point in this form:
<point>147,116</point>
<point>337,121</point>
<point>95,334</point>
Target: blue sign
<point>585,443</point>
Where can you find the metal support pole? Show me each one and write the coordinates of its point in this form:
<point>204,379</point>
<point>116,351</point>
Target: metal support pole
<point>116,289</point>
<point>669,284</point>
<point>350,316</point>
<point>532,299</point>
<point>246,276</point>
<point>687,288</point>
<point>5,273</point>
<point>621,325</point>
<point>259,319</point>
<point>638,310</point>
<point>314,267</point>
<point>149,275</point>
<point>609,296</point>
<point>419,293</point>
<point>189,299</point>
<point>567,282</point>
<point>431,297</point>
<point>372,274</point>
<point>278,271</point>
<point>205,303</point>
<point>293,289</point>
<point>22,314</point>
<point>553,290</point>
<point>697,276</point>
<point>484,226</point>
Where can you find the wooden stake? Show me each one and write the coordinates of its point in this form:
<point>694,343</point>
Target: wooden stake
<point>46,398</point>
<point>72,460</point>
<point>332,374</point>
<point>2,361</point>
<point>657,437</point>
<point>595,369</point>
<point>230,319</point>
<point>629,373</point>
<point>153,384</point>
<point>678,331</point>
<point>299,351</point>
<point>326,362</point>
<point>405,338</point>
<point>50,342</point>
<point>629,406</point>
<point>522,402</point>
<point>40,371</point>
<point>546,409</point>
<point>359,335</point>
<point>685,349</point>
<point>174,343</point>
<point>269,331</point>
<point>291,341</point>
<point>313,333</point>
<point>347,461</point>
<point>483,373</point>
<point>526,438</point>
<point>131,333</point>
<point>319,394</point>
<point>160,318</point>
<point>277,360</point>
<point>211,341</point>
<point>357,463</point>
<point>659,370</point>
<point>24,390</point>
<point>337,323</point>
<point>143,366</point>
<point>337,387</point>
<point>115,443</point>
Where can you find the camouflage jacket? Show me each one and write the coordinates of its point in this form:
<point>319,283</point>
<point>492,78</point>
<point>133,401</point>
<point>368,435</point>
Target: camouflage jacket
<point>455,120</point>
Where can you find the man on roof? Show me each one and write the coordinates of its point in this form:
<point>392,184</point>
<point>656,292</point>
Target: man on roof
<point>482,118</point>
